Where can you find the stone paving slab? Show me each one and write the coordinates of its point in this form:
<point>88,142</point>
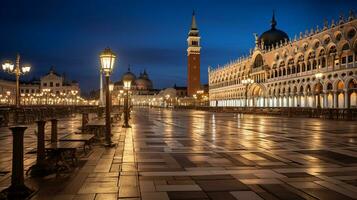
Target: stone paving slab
<point>188,154</point>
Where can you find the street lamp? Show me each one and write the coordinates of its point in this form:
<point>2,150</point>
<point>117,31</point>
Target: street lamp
<point>318,76</point>
<point>111,88</point>
<point>107,59</point>
<point>127,85</point>
<point>119,98</point>
<point>8,66</point>
<point>74,93</point>
<point>247,82</point>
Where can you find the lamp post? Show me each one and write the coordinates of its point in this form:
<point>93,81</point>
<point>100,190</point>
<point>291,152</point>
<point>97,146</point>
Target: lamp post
<point>127,85</point>
<point>318,77</point>
<point>107,59</point>
<point>111,88</point>
<point>119,98</point>
<point>8,66</point>
<point>74,95</point>
<point>247,82</point>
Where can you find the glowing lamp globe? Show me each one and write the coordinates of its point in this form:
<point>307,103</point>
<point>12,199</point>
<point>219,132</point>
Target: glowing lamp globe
<point>26,69</point>
<point>111,87</point>
<point>127,84</point>
<point>8,66</point>
<point>107,59</point>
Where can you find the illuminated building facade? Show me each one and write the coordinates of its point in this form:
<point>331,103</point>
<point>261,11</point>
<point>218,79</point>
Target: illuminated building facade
<point>52,88</point>
<point>316,69</point>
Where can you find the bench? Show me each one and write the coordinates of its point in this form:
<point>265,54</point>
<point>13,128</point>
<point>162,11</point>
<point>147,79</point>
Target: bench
<point>97,127</point>
<point>85,138</point>
<point>61,151</point>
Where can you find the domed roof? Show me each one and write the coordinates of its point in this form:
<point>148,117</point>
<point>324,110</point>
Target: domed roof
<point>128,76</point>
<point>143,82</point>
<point>273,36</point>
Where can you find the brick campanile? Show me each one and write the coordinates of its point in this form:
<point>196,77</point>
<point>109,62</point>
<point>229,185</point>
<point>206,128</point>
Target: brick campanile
<point>193,56</point>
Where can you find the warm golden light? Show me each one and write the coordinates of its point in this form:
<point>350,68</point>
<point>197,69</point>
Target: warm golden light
<point>8,66</point>
<point>247,81</point>
<point>111,87</point>
<point>107,59</point>
<point>26,69</point>
<point>127,84</point>
<point>318,75</point>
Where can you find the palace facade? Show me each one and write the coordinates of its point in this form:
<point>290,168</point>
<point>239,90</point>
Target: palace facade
<point>33,92</point>
<point>316,69</point>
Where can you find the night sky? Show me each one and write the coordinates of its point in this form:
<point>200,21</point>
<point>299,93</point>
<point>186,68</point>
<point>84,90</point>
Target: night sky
<point>147,34</point>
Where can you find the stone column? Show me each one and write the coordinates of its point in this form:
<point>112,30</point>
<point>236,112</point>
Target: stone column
<point>305,100</point>
<point>41,168</point>
<point>292,100</point>
<point>335,99</point>
<point>325,100</point>
<point>314,103</point>
<point>17,189</point>
<point>277,101</point>
<point>347,99</point>
<point>54,130</point>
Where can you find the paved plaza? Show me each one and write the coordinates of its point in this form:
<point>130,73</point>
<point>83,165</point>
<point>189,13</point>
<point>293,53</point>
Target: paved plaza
<point>189,154</point>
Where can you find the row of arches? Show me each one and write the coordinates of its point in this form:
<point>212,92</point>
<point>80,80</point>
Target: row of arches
<point>337,94</point>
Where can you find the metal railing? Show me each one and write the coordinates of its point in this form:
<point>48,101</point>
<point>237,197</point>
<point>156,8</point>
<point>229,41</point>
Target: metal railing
<point>25,115</point>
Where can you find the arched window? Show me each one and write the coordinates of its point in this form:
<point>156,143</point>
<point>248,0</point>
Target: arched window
<point>258,62</point>
<point>345,47</point>
<point>332,49</point>
<point>323,62</point>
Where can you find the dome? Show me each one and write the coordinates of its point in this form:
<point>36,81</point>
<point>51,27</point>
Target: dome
<point>273,36</point>
<point>128,76</point>
<point>143,82</point>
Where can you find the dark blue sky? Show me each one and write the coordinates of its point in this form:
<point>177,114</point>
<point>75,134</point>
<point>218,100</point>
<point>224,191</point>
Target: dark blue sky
<point>148,34</point>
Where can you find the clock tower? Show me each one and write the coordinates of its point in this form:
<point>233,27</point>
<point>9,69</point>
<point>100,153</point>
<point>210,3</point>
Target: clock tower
<point>193,55</point>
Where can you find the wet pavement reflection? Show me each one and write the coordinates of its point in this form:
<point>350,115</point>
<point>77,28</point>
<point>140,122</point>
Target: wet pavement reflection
<point>188,154</point>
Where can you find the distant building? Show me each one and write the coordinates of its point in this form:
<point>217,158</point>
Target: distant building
<point>142,88</point>
<point>57,84</point>
<point>180,91</point>
<point>316,69</point>
<point>53,84</point>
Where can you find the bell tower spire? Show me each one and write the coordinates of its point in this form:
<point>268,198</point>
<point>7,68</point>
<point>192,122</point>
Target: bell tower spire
<point>193,55</point>
<point>273,21</point>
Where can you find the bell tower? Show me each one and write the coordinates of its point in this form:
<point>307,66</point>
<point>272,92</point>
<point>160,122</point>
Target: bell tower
<point>193,55</point>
